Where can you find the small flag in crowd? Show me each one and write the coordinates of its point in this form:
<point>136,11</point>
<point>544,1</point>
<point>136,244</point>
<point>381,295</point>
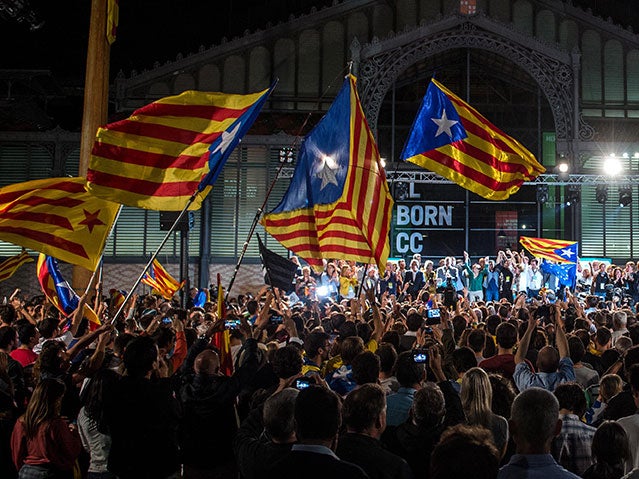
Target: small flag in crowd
<point>168,150</point>
<point>59,292</point>
<point>338,203</point>
<point>566,273</point>
<point>222,339</point>
<point>113,18</point>
<point>9,266</point>
<point>280,272</point>
<point>454,140</point>
<point>161,281</point>
<point>116,299</point>
<point>57,217</point>
<point>560,251</point>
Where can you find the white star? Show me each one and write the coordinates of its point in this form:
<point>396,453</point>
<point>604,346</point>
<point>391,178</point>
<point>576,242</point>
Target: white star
<point>227,138</point>
<point>567,253</point>
<point>327,173</point>
<point>444,125</point>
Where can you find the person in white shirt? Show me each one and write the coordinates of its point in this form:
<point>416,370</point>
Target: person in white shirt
<point>535,278</point>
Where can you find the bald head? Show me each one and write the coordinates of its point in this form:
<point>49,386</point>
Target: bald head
<point>207,363</point>
<point>548,360</point>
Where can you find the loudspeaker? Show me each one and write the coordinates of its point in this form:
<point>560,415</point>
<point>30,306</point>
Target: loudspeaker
<point>167,218</point>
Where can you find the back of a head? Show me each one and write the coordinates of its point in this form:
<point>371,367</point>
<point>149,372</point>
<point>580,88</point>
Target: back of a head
<point>287,362</point>
<point>609,386</point>
<point>391,337</point>
<point>428,406</point>
<point>571,397</point>
<point>47,327</point>
<point>387,357</point>
<point>139,356</point>
<point>363,406</point>
<point>279,415</point>
<point>619,319</point>
<point>317,414</point>
<point>408,372</point>
<point>548,360</point>
<point>480,456</point>
<point>44,404</point>
<point>366,366</point>
<point>476,397</point>
<point>477,340</point>
<point>464,359</point>
<point>7,313</point>
<point>350,348</point>
<point>506,335</point>
<point>414,321</point>
<point>610,444</point>
<point>7,336</point>
<point>631,357</point>
<point>26,332</point>
<point>314,342</point>
<point>492,322</point>
<point>535,413</point>
<point>207,363</point>
<point>577,350</point>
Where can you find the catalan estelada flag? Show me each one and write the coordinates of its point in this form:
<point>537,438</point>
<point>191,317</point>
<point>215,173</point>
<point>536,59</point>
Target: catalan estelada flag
<point>560,251</point>
<point>57,217</point>
<point>9,266</point>
<point>168,150</point>
<point>222,339</point>
<point>161,281</point>
<point>338,204</point>
<point>454,140</point>
<point>59,292</point>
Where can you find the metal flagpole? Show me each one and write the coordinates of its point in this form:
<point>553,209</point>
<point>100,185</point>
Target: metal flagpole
<point>155,255</point>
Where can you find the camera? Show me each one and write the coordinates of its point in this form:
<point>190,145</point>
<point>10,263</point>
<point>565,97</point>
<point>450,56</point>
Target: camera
<point>276,320</point>
<point>302,383</point>
<point>420,356</point>
<point>433,316</point>
<point>232,324</point>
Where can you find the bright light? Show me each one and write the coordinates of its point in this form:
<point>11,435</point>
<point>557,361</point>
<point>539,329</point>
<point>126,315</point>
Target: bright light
<point>563,167</point>
<point>636,155</point>
<point>523,227</point>
<point>625,155</point>
<point>383,162</point>
<point>330,162</point>
<point>321,291</point>
<point>612,166</point>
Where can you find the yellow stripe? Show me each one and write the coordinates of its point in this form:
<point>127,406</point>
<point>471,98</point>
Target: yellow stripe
<point>157,175</point>
<point>151,145</point>
<point>170,203</point>
<point>222,100</point>
<point>196,125</point>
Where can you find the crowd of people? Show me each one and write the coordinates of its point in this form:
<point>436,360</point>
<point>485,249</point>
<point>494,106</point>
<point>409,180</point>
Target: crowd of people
<point>462,369</point>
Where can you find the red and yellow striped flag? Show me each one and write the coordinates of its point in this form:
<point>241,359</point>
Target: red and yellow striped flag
<point>161,281</point>
<point>561,251</point>
<point>168,150</point>
<point>222,339</point>
<point>57,217</point>
<point>338,204</point>
<point>9,266</point>
<point>454,140</point>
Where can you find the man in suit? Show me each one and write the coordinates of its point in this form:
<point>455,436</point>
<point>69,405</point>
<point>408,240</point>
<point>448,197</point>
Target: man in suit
<point>413,280</point>
<point>317,419</point>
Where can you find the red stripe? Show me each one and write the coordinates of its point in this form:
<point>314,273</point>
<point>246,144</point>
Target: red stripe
<point>48,239</point>
<point>39,200</point>
<point>43,218</point>
<point>298,218</point>
<point>67,186</point>
<point>145,158</point>
<point>471,173</point>
<point>163,132</point>
<point>143,187</point>
<point>488,159</point>
<point>207,112</point>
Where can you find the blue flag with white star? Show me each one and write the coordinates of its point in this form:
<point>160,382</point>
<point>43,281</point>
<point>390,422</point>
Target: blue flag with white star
<point>437,124</point>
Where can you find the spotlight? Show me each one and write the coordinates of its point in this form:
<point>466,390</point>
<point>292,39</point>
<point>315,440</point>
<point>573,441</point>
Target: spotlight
<point>562,167</point>
<point>562,170</point>
<point>573,195</point>
<point>602,194</point>
<point>286,155</point>
<point>542,194</point>
<point>612,166</point>
<point>625,196</point>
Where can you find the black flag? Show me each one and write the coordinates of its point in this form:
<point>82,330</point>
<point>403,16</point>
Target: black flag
<point>280,272</point>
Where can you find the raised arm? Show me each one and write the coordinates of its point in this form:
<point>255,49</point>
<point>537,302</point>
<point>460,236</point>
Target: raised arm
<point>522,350</point>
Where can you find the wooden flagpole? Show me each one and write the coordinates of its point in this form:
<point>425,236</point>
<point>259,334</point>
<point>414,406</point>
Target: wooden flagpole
<point>96,100</point>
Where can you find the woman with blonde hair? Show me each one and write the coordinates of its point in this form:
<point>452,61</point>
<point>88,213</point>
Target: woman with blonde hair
<point>45,445</point>
<point>476,398</point>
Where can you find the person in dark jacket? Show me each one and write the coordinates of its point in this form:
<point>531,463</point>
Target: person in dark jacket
<point>210,420</point>
<point>365,418</point>
<point>142,416</point>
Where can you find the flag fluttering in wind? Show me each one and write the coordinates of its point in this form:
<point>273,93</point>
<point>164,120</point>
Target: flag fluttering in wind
<point>113,18</point>
<point>560,251</point>
<point>566,273</point>
<point>222,339</point>
<point>57,217</point>
<point>161,281</point>
<point>279,271</point>
<point>168,150</point>
<point>454,140</point>
<point>201,298</point>
<point>338,203</point>
<point>9,266</point>
<point>59,292</point>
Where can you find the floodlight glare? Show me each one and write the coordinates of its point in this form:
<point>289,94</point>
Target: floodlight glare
<point>563,167</point>
<point>612,166</point>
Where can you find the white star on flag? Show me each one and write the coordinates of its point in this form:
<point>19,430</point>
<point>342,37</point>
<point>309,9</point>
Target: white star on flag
<point>568,253</point>
<point>327,174</point>
<point>444,125</point>
<point>227,138</point>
